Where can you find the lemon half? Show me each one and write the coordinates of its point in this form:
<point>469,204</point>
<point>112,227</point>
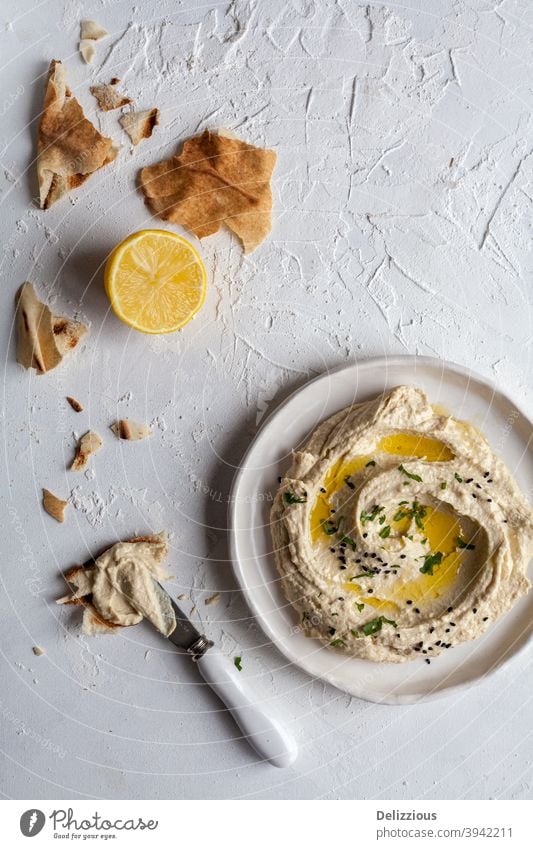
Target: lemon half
<point>155,281</point>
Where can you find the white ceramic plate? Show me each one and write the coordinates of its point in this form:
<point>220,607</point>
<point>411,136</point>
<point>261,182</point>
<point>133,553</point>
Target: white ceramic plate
<point>465,396</point>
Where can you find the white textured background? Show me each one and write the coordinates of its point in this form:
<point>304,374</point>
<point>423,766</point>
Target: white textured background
<point>403,223</point>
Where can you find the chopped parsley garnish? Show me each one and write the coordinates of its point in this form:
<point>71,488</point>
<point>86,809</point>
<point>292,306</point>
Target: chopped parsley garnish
<point>366,573</point>
<point>331,632</point>
<point>430,561</point>
<point>328,527</point>
<point>349,541</point>
<point>370,516</point>
<point>376,625</point>
<point>401,468</point>
<point>461,543</point>
<point>359,605</point>
<point>337,643</point>
<point>458,477</point>
<point>238,663</point>
<point>370,463</point>
<point>443,485</point>
<point>401,514</point>
<point>291,498</point>
<point>385,532</point>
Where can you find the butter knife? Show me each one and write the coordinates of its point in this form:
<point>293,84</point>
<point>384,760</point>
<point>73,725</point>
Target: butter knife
<point>262,731</point>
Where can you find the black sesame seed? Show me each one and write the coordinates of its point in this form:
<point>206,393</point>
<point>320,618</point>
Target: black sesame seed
<point>424,651</point>
<point>366,554</point>
<point>485,618</point>
<point>322,489</point>
<point>358,560</point>
<point>450,609</point>
<point>478,485</point>
<point>489,480</point>
<point>373,554</point>
<point>417,610</point>
<point>486,474</point>
<point>408,601</point>
<point>279,479</point>
<point>469,480</point>
<point>403,556</point>
<point>438,642</point>
<point>340,598</point>
<point>365,535</point>
<point>333,511</point>
<point>474,610</point>
<point>428,660</point>
<point>416,648</point>
<point>421,643</point>
<point>342,567</point>
<point>448,630</point>
<point>431,629</point>
<point>430,648</point>
<point>333,550</point>
<point>370,590</point>
<point>397,635</point>
<point>489,500</point>
<point>341,558</point>
<point>474,495</point>
<point>452,624</point>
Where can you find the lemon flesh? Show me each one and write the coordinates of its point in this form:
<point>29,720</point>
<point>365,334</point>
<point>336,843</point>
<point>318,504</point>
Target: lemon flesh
<point>156,281</point>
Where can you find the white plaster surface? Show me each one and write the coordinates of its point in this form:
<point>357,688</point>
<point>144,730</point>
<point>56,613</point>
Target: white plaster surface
<point>403,203</point>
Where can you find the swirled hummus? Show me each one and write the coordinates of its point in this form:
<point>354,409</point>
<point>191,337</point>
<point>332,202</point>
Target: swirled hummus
<point>398,532</point>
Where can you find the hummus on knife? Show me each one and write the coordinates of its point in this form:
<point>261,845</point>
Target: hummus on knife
<point>398,532</point>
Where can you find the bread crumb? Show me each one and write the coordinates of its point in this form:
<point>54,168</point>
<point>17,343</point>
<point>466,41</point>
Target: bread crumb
<point>75,404</point>
<point>54,506</point>
<point>213,599</point>
<point>37,650</point>
<point>88,445</point>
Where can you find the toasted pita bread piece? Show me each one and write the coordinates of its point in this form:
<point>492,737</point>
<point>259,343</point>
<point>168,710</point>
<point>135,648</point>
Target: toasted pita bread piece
<point>215,180</point>
<point>43,339</point>
<point>69,147</point>
<point>89,444</point>
<point>87,50</point>
<point>108,97</point>
<point>130,430</point>
<point>92,30</point>
<point>54,506</point>
<point>139,125</point>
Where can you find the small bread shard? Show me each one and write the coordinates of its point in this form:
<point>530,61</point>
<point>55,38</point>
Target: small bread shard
<point>92,30</point>
<point>43,339</point>
<point>139,125</point>
<point>69,147</point>
<point>87,50</point>
<point>38,651</point>
<point>215,180</point>
<point>127,429</point>
<point>54,506</point>
<point>107,96</point>
<point>75,404</point>
<point>212,599</point>
<point>121,587</point>
<point>89,444</point>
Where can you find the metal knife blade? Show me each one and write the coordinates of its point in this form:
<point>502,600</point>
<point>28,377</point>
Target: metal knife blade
<point>185,636</point>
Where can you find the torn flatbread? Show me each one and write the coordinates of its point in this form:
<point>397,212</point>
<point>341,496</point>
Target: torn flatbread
<point>108,97</point>
<point>43,339</point>
<point>215,180</point>
<point>89,444</point>
<point>139,125</point>
<point>69,147</point>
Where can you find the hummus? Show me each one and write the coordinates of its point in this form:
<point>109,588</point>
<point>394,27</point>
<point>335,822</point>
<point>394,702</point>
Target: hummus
<point>398,532</point>
<point>123,587</point>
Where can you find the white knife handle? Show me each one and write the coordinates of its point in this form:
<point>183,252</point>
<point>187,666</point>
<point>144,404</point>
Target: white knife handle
<point>263,732</point>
